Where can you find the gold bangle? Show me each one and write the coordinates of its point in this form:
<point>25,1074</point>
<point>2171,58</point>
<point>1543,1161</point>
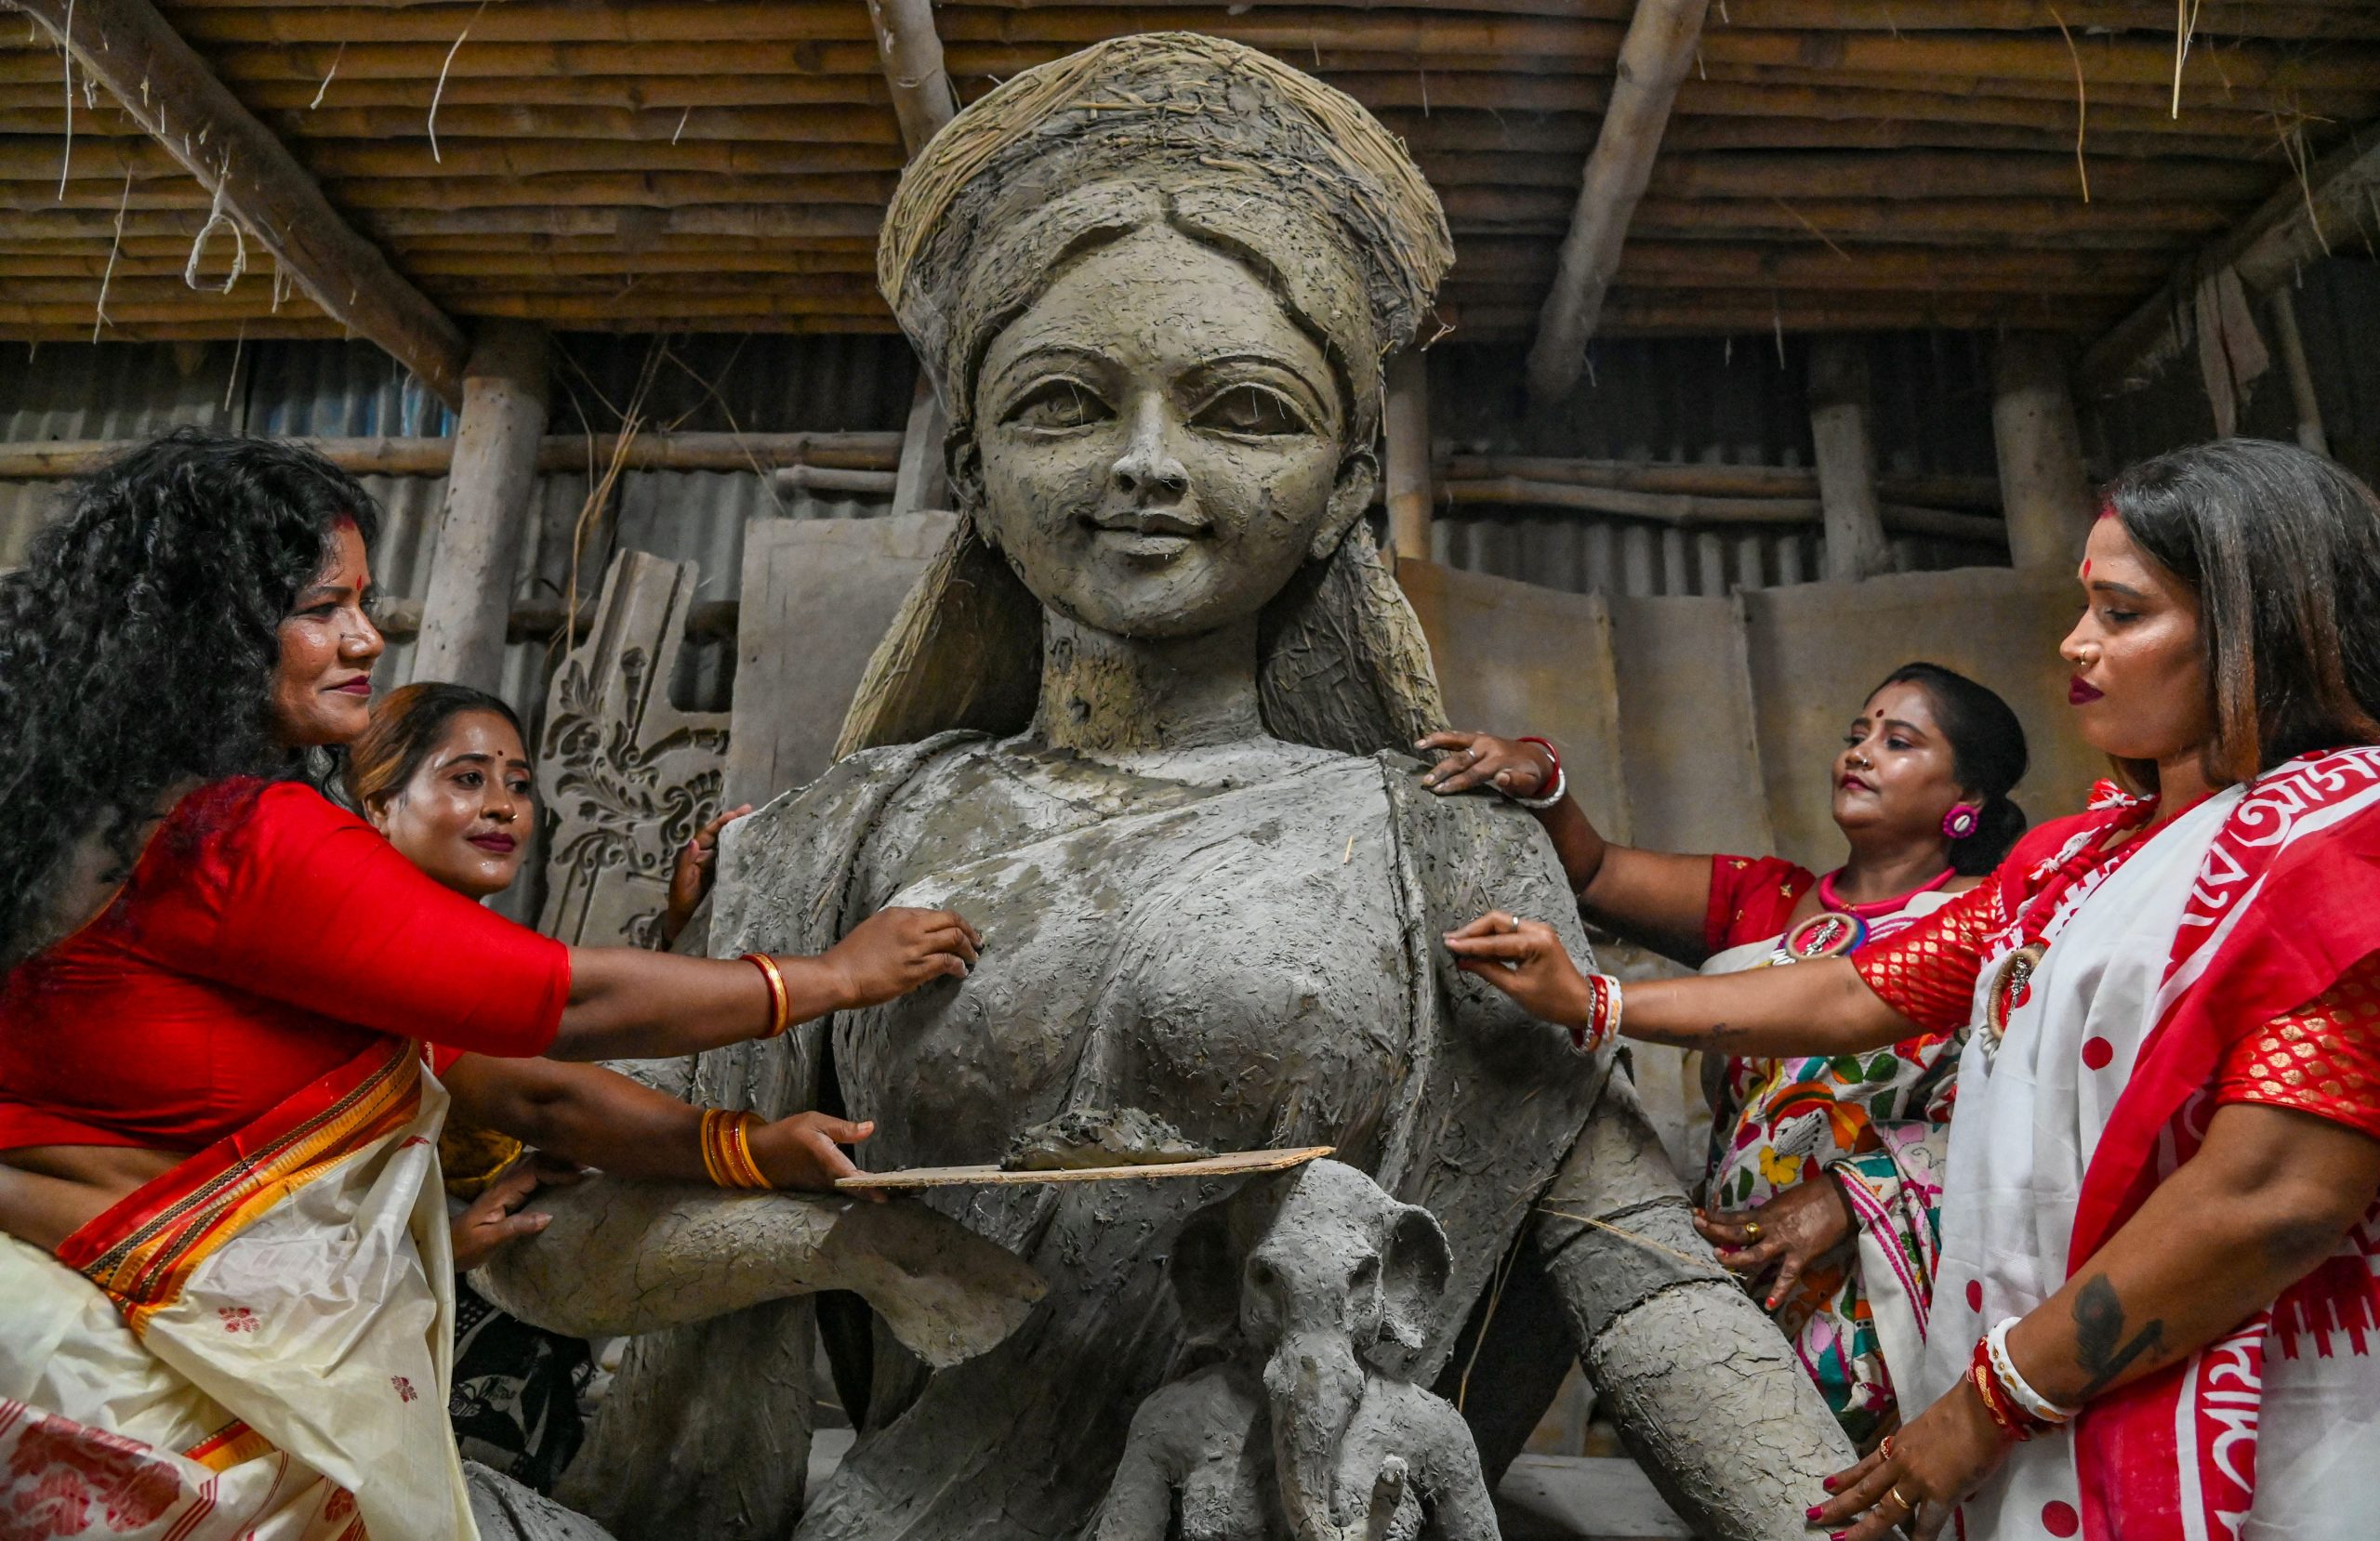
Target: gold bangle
<point>739,1151</point>
<point>708,1139</point>
<point>780,1002</point>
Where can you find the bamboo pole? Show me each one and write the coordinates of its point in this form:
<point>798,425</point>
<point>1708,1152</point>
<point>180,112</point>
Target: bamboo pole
<point>1653,59</point>
<point>1699,511</point>
<point>910,51</point>
<point>1774,481</point>
<point>829,479</point>
<point>494,476</point>
<point>156,76</point>
<point>2300,221</point>
<point>563,452</point>
<point>2301,377</point>
<point>2040,448</point>
<point>399,619</point>
<point>1846,460</point>
<point>1407,474</point>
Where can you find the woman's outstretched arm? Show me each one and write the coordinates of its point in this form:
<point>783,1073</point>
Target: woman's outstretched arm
<point>629,1003</point>
<point>1655,897</point>
<point>1803,1008</point>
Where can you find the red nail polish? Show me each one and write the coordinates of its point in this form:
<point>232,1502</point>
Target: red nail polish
<point>1828,1484</point>
<point>1810,1513</point>
<point>1837,1535</point>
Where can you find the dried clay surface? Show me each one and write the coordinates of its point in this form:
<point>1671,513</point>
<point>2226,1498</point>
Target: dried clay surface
<point>1081,1139</point>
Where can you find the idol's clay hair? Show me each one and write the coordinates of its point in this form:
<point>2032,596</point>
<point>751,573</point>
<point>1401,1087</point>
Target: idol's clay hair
<point>138,647</point>
<point>408,724</point>
<point>1988,753</point>
<point>2282,549</point>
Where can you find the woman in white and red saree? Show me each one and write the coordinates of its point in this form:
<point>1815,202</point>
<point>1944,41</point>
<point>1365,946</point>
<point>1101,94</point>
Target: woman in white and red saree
<point>2155,1317</point>
<point>225,1284</point>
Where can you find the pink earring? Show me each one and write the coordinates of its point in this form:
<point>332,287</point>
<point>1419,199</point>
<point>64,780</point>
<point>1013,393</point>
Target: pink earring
<point>1960,822</point>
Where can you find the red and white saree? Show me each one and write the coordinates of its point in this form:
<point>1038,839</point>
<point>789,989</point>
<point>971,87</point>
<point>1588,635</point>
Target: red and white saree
<point>2163,973</point>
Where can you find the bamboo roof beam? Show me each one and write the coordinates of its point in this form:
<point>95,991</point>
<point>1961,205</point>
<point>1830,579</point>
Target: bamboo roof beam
<point>1653,60</point>
<point>2301,221</point>
<point>157,77</point>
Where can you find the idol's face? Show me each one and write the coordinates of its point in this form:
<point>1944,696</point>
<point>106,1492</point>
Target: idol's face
<point>1159,444</point>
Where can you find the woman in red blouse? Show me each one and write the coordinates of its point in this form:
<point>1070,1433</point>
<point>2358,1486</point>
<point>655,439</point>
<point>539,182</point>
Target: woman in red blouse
<point>1824,1176</point>
<point>211,1103</point>
<point>2158,1307</point>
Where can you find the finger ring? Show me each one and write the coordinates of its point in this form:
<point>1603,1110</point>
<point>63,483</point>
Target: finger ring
<point>1470,754</point>
<point>1894,1493</point>
<point>1884,1447</point>
<point>1752,1231</point>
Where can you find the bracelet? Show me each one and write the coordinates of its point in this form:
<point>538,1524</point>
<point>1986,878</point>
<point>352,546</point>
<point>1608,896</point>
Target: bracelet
<point>2003,1412</point>
<point>2020,1391</point>
<point>727,1150</point>
<point>1603,1015</point>
<point>1550,792</point>
<point>780,1003</point>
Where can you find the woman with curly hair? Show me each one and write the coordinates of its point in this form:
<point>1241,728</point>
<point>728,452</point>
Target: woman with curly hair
<point>2157,1314</point>
<point>212,1105</point>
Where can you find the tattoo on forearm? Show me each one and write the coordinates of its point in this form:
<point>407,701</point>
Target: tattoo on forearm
<point>2100,1346</point>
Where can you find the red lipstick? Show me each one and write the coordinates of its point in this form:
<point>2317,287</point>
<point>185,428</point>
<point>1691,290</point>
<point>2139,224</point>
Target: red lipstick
<point>496,843</point>
<point>2080,693</point>
<point>360,685</point>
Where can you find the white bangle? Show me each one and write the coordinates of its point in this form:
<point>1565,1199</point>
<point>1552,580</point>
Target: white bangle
<point>1552,793</point>
<point>1996,1344</point>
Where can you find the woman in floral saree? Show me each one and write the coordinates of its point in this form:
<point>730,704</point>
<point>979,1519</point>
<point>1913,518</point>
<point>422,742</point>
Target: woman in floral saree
<point>2155,1317</point>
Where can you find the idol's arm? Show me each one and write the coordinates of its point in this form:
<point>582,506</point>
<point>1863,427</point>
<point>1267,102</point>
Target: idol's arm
<point>1807,1009</point>
<point>2269,1196</point>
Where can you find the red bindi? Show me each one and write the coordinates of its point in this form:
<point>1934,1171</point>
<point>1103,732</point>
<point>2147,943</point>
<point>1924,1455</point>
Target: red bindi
<point>2087,567</point>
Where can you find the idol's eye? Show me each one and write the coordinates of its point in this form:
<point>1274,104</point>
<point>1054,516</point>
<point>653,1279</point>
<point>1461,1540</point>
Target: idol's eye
<point>1058,404</point>
<point>1253,410</point>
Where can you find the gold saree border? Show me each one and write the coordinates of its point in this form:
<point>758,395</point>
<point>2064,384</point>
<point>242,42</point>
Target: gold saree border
<point>144,1250</point>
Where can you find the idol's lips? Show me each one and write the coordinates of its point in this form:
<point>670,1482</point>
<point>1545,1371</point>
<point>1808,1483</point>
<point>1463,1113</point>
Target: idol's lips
<point>1150,522</point>
<point>502,845</point>
<point>2080,692</point>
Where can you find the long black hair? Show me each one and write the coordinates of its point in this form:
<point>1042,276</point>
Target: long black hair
<point>2283,550</point>
<point>1988,753</point>
<point>138,646</point>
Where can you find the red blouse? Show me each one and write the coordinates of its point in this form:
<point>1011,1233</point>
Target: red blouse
<point>265,938</point>
<point>1751,898</point>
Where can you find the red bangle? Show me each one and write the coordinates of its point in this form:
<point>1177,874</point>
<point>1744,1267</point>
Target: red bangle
<point>2001,1408</point>
<point>1552,777</point>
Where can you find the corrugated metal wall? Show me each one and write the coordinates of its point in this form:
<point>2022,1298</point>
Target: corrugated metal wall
<point>1709,400</point>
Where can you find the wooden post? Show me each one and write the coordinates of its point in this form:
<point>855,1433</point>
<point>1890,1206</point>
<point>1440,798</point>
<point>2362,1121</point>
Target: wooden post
<point>1854,525</point>
<point>1653,60</point>
<point>169,91</point>
<point>922,481</point>
<point>2301,378</point>
<point>910,50</point>
<point>2045,493</point>
<point>1408,473</point>
<point>488,494</point>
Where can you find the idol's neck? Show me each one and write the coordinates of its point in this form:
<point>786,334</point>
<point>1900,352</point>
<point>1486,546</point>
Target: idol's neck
<point>1107,694</point>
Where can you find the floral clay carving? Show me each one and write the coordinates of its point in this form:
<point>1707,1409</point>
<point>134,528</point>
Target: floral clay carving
<point>1146,721</point>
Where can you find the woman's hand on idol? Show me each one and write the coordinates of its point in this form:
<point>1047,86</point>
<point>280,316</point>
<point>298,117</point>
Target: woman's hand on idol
<point>802,1153</point>
<point>1918,1474</point>
<point>894,950</point>
<point>696,869</point>
<point>1466,761</point>
<point>496,1216</point>
<point>1526,960</point>
<point>1780,1239</point>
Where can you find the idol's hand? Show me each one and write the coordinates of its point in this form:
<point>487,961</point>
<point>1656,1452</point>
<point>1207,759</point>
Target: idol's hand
<point>1786,1235</point>
<point>1526,961</point>
<point>696,869</point>
<point>894,950</point>
<point>1918,1474</point>
<point>1466,761</point>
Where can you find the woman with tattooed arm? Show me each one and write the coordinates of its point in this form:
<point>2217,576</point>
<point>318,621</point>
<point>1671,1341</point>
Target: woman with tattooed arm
<point>2155,1313</point>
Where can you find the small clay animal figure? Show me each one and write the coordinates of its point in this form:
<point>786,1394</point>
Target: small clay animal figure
<point>1300,1435</point>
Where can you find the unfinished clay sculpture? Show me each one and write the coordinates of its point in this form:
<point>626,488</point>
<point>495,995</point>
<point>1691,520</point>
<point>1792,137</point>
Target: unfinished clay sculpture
<point>1299,1433</point>
<point>1146,721</point>
<point>1080,1139</point>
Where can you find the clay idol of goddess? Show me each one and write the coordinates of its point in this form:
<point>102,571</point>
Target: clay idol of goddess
<point>1148,721</point>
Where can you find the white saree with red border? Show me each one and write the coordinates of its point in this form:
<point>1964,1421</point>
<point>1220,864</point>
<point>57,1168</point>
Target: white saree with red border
<point>2239,910</point>
<point>257,1343</point>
